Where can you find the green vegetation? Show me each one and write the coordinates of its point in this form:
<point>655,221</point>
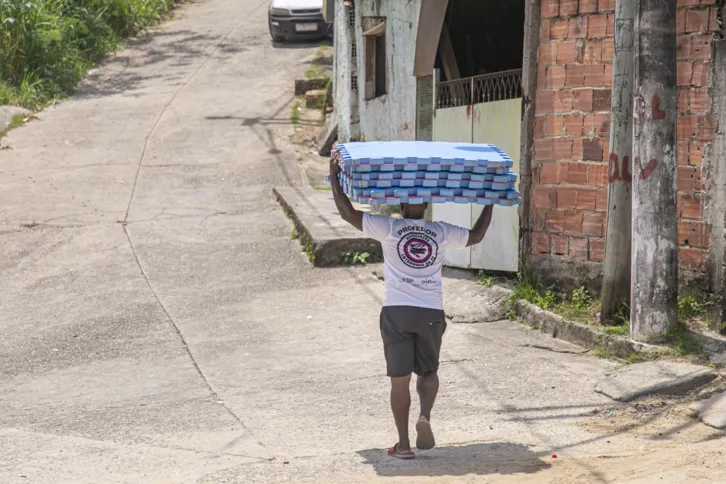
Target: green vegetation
<point>484,280</point>
<point>307,247</point>
<point>15,122</point>
<point>706,394</point>
<point>683,343</point>
<point>47,46</point>
<point>296,109</point>
<point>30,225</point>
<point>689,307</point>
<point>355,258</point>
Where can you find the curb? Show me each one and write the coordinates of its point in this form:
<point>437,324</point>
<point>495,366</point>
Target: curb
<point>327,252</point>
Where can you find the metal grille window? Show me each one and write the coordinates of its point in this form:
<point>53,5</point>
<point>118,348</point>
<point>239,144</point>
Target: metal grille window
<point>498,86</point>
<point>354,82</point>
<point>354,50</point>
<point>351,15</point>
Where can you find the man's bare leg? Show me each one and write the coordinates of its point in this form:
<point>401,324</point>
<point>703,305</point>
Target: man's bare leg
<point>401,404</point>
<point>427,387</point>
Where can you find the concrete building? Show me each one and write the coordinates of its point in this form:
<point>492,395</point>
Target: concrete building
<point>554,59</point>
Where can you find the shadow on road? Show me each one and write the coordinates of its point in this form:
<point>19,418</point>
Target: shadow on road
<point>477,459</point>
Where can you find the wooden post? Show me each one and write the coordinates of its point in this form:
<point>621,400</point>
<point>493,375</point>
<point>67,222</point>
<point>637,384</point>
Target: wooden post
<point>616,269</point>
<point>654,265</point>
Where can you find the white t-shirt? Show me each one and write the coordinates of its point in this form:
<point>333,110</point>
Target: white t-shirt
<point>413,254</point>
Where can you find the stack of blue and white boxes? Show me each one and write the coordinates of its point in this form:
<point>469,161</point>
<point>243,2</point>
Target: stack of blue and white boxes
<point>394,172</point>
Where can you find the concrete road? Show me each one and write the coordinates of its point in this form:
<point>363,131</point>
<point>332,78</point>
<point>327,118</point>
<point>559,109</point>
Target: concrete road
<point>160,326</point>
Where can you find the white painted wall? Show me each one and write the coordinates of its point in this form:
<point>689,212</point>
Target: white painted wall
<point>341,72</point>
<point>393,116</point>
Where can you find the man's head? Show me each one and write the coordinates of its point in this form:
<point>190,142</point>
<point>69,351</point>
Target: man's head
<point>413,211</point>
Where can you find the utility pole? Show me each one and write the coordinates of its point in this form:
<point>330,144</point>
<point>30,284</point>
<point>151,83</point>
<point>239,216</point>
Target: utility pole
<point>654,265</point>
<point>616,270</point>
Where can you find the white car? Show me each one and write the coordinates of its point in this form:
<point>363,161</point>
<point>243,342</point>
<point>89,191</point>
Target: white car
<point>297,19</point>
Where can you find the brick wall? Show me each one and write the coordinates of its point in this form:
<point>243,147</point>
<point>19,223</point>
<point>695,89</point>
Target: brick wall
<point>572,127</point>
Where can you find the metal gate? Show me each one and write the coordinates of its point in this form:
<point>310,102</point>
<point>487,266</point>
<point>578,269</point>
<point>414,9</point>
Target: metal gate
<point>482,109</point>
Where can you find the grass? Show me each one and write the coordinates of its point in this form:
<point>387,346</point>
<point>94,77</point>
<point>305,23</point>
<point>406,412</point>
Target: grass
<point>307,247</point>
<point>30,225</point>
<point>296,110</point>
<point>355,258</point>
<point>486,281</point>
<point>47,46</point>
<point>15,122</point>
<point>324,188</point>
<point>689,307</point>
<point>706,394</point>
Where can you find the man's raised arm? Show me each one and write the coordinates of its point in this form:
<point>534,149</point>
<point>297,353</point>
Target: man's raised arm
<point>345,208</point>
<point>476,234</point>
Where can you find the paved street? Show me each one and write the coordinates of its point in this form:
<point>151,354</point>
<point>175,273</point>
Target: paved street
<point>160,326</point>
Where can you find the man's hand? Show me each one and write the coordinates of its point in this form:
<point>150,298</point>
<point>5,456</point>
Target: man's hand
<point>334,166</point>
<point>345,208</point>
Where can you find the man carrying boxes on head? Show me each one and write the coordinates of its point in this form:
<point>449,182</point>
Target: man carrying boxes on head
<point>412,319</point>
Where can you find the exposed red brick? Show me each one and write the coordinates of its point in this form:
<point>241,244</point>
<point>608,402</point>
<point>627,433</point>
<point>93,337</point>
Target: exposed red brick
<point>547,53</point>
<point>558,29</point>
<point>539,127</point>
<point>686,3</point>
<point>606,6</point>
<point>697,181</point>
<point>701,46</point>
<point>690,207</point>
<point>568,7</point>
<point>544,149</point>
<point>598,26</point>
<point>697,20</point>
<point>686,126</point>
<point>566,198</point>
<point>540,243</point>
<point>695,153</point>
<point>550,173</point>
<point>700,73</point>
<point>597,125</point>
<point>691,257</point>
<point>544,31</point>
<point>541,77</point>
<point>577,28</point>
<point>544,197</point>
<point>700,101</point>
<point>708,2</point>
<point>608,50</point>
<point>684,73</point>
<point>601,205</point>
<point>578,248</point>
<point>598,175</point>
<point>550,8</point>
<point>597,250</point>
<point>567,52</point>
<point>680,21</point>
<point>592,150</point>
<point>608,75</point>
<point>559,245</point>
<point>685,178</point>
<point>563,101</point>
<point>611,24</point>
<point>586,199</point>
<point>682,153</point>
<point>545,102</point>
<point>588,6</point>
<point>575,76</point>
<point>682,100</point>
<point>713,19</point>
<point>583,100</point>
<point>601,99</point>
<point>573,173</point>
<point>593,224</point>
<point>683,47</point>
<point>563,149</point>
<point>577,149</point>
<point>555,221</point>
<point>573,222</point>
<point>551,124</point>
<point>595,75</point>
<point>573,124</point>
<point>706,127</point>
<point>697,234</point>
<point>555,77</point>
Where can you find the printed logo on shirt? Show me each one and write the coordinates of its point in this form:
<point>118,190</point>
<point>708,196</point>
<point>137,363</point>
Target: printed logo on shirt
<point>418,250</point>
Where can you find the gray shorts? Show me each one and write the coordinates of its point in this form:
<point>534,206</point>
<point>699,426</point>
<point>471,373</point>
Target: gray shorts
<point>411,339</point>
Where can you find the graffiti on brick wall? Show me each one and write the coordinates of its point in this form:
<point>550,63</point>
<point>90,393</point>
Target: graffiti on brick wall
<point>619,172</point>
